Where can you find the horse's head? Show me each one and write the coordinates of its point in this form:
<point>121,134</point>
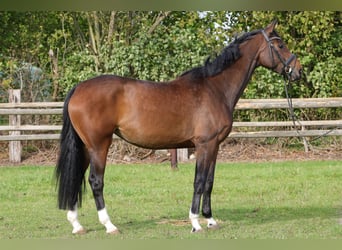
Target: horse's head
<point>276,56</point>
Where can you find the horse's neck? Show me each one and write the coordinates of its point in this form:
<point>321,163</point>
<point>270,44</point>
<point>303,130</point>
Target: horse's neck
<point>233,84</point>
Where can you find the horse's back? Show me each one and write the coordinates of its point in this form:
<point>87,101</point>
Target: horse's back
<point>141,111</point>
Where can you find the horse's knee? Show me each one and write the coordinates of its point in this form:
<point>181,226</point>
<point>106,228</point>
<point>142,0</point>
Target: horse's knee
<point>199,188</point>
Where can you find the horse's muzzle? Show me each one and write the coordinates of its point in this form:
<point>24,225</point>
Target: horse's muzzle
<point>295,72</point>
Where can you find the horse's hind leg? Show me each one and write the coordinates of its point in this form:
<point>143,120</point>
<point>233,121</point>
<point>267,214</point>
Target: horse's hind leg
<point>96,182</point>
<point>96,175</point>
<point>72,215</point>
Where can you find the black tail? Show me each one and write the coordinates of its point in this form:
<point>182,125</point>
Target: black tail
<point>70,166</point>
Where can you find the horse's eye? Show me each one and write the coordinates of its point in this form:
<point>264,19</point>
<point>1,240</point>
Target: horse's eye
<point>281,45</point>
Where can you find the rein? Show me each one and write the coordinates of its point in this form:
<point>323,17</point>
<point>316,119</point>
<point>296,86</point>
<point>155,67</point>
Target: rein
<point>294,117</point>
<point>291,110</point>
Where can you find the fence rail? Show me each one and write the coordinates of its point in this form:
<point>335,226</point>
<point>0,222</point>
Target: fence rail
<point>331,127</point>
<point>332,102</point>
<point>240,129</point>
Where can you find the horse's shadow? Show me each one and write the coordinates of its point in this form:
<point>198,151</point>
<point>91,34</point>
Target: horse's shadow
<point>247,216</point>
<point>260,215</point>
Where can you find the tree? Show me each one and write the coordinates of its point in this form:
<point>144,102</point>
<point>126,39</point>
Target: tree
<point>314,36</point>
<point>147,45</point>
<point>25,47</point>
<point>155,45</point>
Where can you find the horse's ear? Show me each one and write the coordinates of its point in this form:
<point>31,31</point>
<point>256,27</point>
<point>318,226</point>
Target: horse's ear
<point>271,27</point>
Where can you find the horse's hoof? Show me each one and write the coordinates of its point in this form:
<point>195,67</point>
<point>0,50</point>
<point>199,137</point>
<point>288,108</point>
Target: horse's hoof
<point>80,231</point>
<point>114,232</point>
<point>194,230</point>
<point>213,226</point>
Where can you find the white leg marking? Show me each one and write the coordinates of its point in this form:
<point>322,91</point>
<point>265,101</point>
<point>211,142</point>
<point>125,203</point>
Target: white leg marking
<point>72,218</point>
<point>105,220</point>
<point>196,227</point>
<point>212,223</point>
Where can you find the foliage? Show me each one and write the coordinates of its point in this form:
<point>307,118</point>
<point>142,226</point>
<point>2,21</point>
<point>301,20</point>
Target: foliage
<point>23,53</point>
<point>34,84</point>
<point>70,47</point>
<point>144,50</point>
<point>314,36</point>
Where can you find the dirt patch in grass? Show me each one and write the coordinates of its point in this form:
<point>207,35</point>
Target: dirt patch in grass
<point>231,150</point>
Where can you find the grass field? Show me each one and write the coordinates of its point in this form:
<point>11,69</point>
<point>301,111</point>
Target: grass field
<point>283,200</point>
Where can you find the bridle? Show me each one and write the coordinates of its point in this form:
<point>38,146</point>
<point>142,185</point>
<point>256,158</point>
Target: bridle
<point>287,70</point>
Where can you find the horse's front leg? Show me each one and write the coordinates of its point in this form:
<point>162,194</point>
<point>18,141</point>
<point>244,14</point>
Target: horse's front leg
<point>206,206</point>
<point>199,182</point>
<point>203,183</point>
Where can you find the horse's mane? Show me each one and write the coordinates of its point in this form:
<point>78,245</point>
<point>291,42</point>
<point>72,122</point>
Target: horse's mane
<point>227,57</point>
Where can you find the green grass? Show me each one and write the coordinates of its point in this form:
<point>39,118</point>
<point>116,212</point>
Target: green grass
<point>283,200</point>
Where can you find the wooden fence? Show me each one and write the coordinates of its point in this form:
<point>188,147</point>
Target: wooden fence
<point>12,132</point>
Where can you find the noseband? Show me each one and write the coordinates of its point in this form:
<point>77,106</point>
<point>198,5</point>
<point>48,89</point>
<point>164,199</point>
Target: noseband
<point>287,70</point>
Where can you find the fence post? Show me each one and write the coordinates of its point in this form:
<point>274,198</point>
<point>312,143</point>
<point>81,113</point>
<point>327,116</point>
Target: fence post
<point>14,120</point>
<point>182,154</point>
<point>305,142</point>
<point>174,160</point>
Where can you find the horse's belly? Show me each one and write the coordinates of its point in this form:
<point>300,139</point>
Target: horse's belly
<point>154,139</point>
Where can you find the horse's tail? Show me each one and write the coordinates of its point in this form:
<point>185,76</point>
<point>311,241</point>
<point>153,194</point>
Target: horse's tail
<point>70,166</point>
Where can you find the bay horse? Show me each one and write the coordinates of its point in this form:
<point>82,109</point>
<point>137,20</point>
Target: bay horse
<point>193,110</point>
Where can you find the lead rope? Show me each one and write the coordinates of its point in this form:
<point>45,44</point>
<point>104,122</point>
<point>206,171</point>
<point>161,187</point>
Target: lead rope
<point>292,115</point>
<point>295,119</point>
